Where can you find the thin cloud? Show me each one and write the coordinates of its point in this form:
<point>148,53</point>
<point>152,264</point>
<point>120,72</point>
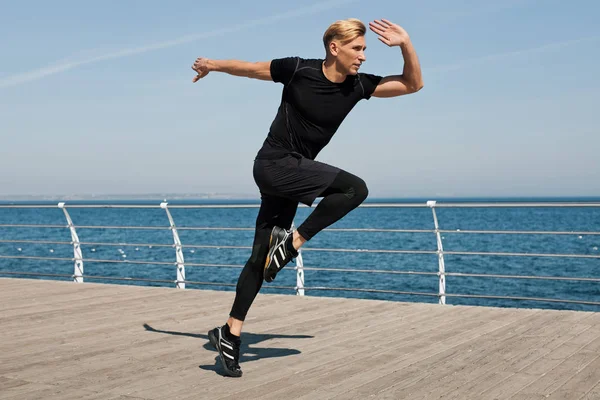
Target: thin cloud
<point>68,65</point>
<point>500,56</point>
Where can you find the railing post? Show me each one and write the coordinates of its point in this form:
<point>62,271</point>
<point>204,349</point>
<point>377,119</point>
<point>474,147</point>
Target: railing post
<point>178,249</point>
<point>78,255</point>
<point>440,253</point>
<point>299,272</point>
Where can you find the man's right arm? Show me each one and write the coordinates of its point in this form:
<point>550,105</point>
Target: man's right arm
<point>256,70</point>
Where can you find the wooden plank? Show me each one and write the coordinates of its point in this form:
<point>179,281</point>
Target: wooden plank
<point>581,382</point>
<point>6,383</point>
<point>593,394</point>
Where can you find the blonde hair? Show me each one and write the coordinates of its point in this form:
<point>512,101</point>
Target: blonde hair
<point>344,30</point>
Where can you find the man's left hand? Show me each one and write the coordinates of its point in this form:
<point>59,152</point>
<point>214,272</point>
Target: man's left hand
<point>389,33</point>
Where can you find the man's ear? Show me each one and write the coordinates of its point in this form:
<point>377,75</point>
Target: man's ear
<point>333,48</point>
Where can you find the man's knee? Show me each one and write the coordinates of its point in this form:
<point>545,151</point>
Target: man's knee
<point>356,190</point>
<point>361,191</point>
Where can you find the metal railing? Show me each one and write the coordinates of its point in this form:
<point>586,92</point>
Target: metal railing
<point>180,264</point>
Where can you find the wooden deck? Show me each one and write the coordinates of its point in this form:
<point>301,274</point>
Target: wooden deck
<point>92,341</point>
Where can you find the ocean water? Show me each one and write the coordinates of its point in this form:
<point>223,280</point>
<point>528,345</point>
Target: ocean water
<point>576,219</point>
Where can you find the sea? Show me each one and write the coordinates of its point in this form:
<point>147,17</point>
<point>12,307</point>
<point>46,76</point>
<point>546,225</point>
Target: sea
<point>132,250</point>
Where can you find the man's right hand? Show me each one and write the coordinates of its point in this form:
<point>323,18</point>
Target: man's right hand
<point>256,70</point>
<point>201,68</point>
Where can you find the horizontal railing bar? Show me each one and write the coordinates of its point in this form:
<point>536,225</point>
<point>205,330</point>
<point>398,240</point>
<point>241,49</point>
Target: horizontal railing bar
<point>379,230</point>
<point>371,291</point>
<point>126,244</point>
<point>38,258</point>
<point>392,251</point>
<point>218,228</point>
<point>32,226</point>
<point>173,281</point>
<point>83,226</point>
<point>117,278</point>
<point>457,274</point>
<point>152,206</point>
<point>521,232</point>
<point>541,299</point>
<point>541,277</point>
<point>187,264</point>
<point>35,274</point>
<point>213,228</point>
<point>121,227</point>
<point>364,205</point>
<point>116,244</point>
<point>249,247</point>
<point>374,271</point>
<point>517,204</point>
<point>214,246</point>
<point>481,253</point>
<point>458,295</point>
<point>89,260</point>
<point>91,243</point>
<point>34,242</point>
<point>135,279</point>
<point>200,228</point>
<point>238,266</point>
<point>370,251</point>
<point>210,283</point>
<point>157,205</point>
<point>512,232</point>
<point>190,206</point>
<point>235,284</point>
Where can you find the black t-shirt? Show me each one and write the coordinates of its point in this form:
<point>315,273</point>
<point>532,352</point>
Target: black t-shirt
<point>312,107</point>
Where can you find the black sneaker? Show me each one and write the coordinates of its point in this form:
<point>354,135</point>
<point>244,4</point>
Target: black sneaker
<point>279,252</point>
<point>229,352</point>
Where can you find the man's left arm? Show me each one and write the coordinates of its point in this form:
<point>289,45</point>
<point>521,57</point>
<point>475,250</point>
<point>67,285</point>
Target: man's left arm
<point>411,80</point>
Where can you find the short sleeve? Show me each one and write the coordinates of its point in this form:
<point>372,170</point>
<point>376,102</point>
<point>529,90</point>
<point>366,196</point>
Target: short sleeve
<point>283,69</point>
<point>369,83</point>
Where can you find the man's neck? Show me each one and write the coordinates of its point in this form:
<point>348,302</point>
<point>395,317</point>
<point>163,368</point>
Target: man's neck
<point>332,73</point>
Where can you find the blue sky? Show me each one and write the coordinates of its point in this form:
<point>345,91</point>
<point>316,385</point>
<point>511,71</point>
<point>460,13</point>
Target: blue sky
<point>96,97</point>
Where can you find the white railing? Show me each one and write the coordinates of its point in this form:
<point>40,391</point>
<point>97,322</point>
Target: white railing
<point>180,281</point>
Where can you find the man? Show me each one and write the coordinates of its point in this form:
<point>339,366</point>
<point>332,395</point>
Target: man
<point>317,96</point>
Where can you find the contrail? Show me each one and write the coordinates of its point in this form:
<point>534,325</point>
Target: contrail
<point>65,66</point>
<point>492,57</point>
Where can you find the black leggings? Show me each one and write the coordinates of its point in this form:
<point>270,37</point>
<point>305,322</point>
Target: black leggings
<point>345,193</point>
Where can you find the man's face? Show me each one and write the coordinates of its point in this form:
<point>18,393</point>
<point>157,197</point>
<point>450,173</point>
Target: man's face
<point>351,55</point>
